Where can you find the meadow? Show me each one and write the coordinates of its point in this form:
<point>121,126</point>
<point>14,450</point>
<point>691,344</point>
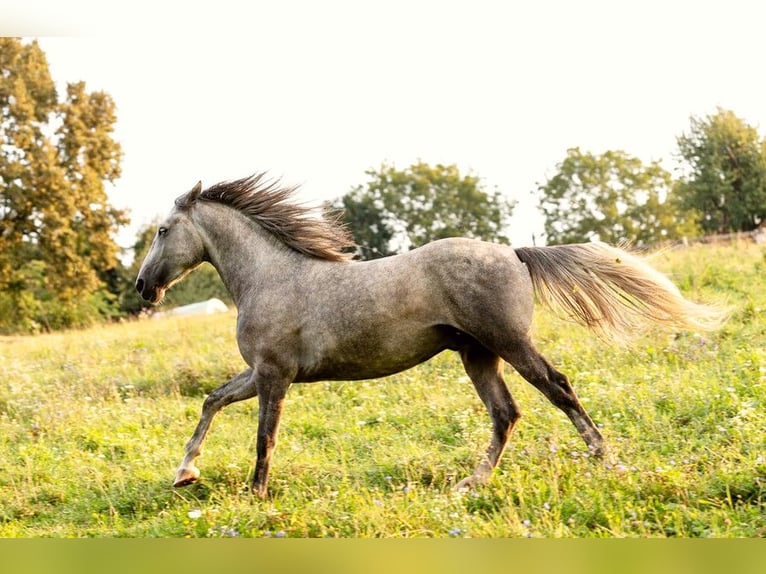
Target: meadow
<point>93,425</point>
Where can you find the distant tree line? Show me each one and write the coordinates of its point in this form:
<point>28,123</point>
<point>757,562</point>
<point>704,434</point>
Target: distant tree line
<point>613,197</point>
<point>61,268</point>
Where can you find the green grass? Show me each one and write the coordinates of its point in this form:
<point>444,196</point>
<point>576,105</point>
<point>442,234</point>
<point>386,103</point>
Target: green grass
<point>93,425</point>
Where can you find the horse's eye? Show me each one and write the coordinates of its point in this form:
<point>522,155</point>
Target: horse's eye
<point>162,231</point>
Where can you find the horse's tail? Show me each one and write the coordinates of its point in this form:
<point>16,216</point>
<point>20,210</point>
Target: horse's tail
<point>611,291</point>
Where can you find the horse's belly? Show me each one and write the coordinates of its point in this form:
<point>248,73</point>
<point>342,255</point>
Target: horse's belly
<point>374,355</point>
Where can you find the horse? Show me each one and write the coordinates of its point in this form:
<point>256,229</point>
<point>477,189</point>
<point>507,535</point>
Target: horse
<point>308,311</point>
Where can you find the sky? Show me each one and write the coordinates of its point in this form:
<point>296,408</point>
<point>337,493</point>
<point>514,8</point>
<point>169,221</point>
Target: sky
<point>317,93</point>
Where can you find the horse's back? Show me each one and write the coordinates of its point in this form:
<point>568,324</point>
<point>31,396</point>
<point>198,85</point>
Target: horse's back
<point>456,278</point>
<point>373,318</point>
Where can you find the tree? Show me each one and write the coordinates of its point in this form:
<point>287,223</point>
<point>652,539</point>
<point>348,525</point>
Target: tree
<point>725,179</point>
<point>372,229</point>
<point>402,209</point>
<point>56,224</point>
<point>612,197</point>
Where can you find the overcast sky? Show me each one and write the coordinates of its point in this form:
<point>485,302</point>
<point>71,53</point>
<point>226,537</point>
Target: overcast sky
<point>319,92</point>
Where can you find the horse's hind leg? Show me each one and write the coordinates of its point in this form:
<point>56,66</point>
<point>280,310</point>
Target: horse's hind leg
<point>239,388</point>
<point>531,365</point>
<point>485,371</point>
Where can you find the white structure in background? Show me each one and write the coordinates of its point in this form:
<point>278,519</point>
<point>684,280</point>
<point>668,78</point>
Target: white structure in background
<point>208,307</point>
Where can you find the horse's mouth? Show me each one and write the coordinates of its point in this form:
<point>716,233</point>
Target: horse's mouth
<point>156,296</point>
<point>153,294</point>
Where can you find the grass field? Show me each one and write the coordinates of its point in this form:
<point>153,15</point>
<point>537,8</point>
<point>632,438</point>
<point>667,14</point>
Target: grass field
<point>93,424</point>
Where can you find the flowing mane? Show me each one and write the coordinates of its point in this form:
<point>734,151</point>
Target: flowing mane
<point>267,202</point>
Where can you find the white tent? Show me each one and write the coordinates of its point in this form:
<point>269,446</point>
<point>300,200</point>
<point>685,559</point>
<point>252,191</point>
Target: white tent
<point>208,307</point>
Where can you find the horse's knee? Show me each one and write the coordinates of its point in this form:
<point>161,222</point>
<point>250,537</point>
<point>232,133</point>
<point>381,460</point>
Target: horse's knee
<point>561,390</point>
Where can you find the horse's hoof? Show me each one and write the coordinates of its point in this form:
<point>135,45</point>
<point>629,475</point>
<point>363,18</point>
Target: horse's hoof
<point>598,451</point>
<point>185,477</point>
<point>465,484</point>
<point>259,492</point>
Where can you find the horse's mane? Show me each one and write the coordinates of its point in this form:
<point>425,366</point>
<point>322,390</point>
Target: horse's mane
<point>267,202</point>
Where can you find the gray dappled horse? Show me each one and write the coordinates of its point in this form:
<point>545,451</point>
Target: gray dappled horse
<point>307,312</point>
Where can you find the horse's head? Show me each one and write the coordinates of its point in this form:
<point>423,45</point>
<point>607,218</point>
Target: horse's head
<point>176,250</point>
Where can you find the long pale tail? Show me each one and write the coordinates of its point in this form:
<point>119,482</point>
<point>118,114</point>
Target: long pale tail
<point>611,291</point>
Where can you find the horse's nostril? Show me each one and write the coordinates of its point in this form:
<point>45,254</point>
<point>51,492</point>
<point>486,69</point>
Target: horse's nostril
<point>139,285</point>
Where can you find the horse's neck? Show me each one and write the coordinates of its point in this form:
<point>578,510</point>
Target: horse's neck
<point>244,254</point>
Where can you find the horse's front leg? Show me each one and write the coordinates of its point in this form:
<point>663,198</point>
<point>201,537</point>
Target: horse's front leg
<point>272,387</point>
<point>236,389</point>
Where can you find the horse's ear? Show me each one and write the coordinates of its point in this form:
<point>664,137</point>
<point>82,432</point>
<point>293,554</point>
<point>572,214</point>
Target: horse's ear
<point>196,190</point>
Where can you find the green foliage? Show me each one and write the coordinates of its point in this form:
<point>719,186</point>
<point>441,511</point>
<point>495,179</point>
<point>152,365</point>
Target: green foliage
<point>726,179</point>
<point>93,423</point>
<point>30,306</point>
<point>612,197</point>
<point>56,224</point>
<point>372,231</point>
<point>402,209</point>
